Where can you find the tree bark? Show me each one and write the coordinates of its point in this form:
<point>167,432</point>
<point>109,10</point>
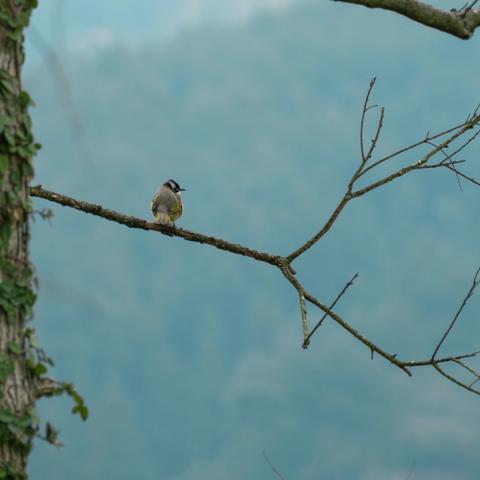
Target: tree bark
<point>19,370</point>
<point>459,23</point>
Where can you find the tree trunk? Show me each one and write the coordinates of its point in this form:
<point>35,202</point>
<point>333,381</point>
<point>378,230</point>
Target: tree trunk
<point>19,366</point>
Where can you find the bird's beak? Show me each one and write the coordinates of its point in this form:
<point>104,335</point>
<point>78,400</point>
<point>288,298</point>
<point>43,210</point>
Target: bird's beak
<point>181,189</point>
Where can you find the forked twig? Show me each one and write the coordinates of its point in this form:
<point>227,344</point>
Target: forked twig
<point>454,380</point>
<point>454,133</point>
<point>469,294</point>
<point>306,341</point>
<point>366,107</point>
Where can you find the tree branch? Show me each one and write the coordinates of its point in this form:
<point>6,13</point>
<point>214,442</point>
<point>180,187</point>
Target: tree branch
<point>459,23</point>
<point>455,132</point>
<point>272,466</point>
<point>277,261</point>
<point>133,222</point>
<point>469,295</point>
<point>284,263</point>
<point>306,341</point>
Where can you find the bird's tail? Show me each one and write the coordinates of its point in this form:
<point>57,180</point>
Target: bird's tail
<point>163,218</point>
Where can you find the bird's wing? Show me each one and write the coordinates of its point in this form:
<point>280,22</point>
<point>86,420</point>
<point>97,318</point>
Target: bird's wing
<point>158,201</point>
<point>164,201</point>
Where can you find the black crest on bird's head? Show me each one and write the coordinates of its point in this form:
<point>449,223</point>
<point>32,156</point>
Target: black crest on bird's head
<point>173,186</point>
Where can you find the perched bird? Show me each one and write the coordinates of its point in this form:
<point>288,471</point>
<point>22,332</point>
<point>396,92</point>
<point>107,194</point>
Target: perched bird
<point>167,204</point>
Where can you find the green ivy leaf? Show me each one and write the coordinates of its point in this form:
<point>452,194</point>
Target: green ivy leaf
<point>15,348</point>
<point>9,136</point>
<point>7,84</point>
<point>4,120</point>
<point>3,164</point>
<point>40,369</point>
<point>23,152</point>
<point>82,410</point>
<point>7,417</point>
<point>6,368</point>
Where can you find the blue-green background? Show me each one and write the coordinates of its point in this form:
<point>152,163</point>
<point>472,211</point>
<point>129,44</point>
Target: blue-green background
<point>189,358</point>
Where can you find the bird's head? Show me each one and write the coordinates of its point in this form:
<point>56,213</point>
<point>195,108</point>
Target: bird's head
<point>173,186</point>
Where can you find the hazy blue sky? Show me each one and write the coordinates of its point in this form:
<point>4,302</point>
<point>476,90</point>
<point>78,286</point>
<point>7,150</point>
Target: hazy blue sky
<point>189,358</point>
<point>89,24</point>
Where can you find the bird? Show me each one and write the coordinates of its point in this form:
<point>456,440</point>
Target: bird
<point>167,203</point>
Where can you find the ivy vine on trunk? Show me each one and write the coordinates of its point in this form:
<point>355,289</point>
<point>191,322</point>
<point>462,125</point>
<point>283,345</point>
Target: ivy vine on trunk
<point>19,371</point>
<point>23,364</point>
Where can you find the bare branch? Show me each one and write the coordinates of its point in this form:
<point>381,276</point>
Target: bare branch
<point>455,380</point>
<point>451,166</point>
<point>424,140</point>
<point>64,91</point>
<point>412,469</point>
<point>303,311</point>
<point>272,466</point>
<point>469,294</point>
<point>423,363</point>
<point>466,177</point>
<point>461,24</point>
<point>474,121</point>
<point>448,158</point>
<point>459,149</point>
<point>328,225</point>
<point>306,341</point>
<point>284,263</point>
<point>377,134</point>
<point>456,132</point>
<point>362,120</point>
<point>392,358</point>
<point>468,368</point>
<point>345,325</point>
<point>45,388</point>
<point>133,222</point>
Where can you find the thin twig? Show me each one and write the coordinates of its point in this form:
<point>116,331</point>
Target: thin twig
<point>474,382</point>
<point>272,466</point>
<point>467,8</point>
<point>459,311</point>
<point>344,324</point>
<point>459,149</point>
<point>388,356</point>
<point>448,158</point>
<point>468,368</point>
<point>328,225</point>
<point>423,363</point>
<point>377,134</point>
<point>306,341</point>
<point>466,177</point>
<point>458,130</point>
<point>412,469</point>
<point>454,380</point>
<point>362,120</point>
<point>64,91</point>
<point>420,163</point>
<point>303,310</point>
<point>399,152</point>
